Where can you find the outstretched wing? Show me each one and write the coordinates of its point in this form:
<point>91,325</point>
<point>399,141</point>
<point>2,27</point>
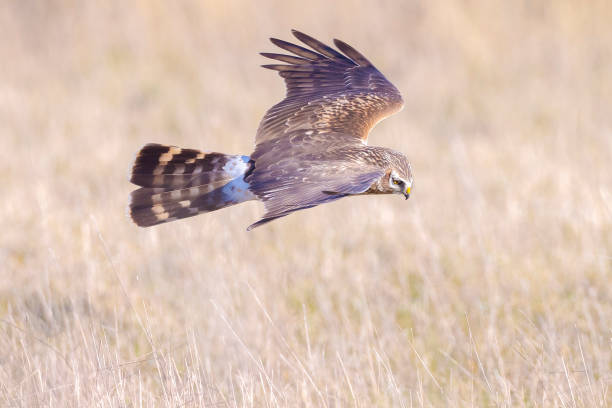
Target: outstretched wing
<point>306,169</point>
<point>327,91</point>
<point>298,185</point>
<point>300,196</point>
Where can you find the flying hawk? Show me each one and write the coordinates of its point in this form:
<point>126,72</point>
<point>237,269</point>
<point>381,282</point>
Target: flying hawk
<point>310,149</point>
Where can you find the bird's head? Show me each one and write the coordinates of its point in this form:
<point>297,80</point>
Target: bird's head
<point>399,176</point>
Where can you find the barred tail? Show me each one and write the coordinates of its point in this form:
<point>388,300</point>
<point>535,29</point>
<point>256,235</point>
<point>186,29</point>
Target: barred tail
<point>178,183</point>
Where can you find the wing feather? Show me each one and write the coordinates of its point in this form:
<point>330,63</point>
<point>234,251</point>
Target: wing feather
<point>284,58</point>
<point>297,50</point>
<point>318,46</point>
<point>320,168</point>
<point>317,184</point>
<point>352,53</point>
<point>327,89</point>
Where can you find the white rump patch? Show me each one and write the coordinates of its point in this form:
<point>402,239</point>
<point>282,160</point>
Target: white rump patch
<point>236,166</point>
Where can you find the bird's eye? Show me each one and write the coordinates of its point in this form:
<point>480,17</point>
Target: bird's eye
<point>396,182</point>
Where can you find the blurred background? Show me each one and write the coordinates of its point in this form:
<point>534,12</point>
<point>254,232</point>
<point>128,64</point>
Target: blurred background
<point>491,286</point>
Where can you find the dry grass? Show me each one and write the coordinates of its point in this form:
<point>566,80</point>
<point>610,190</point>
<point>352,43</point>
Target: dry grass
<point>491,286</point>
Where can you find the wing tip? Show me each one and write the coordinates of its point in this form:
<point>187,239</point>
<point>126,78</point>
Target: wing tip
<point>263,221</point>
<point>277,41</point>
<point>352,53</point>
<point>296,32</point>
<point>254,225</point>
<point>276,67</point>
<point>321,50</point>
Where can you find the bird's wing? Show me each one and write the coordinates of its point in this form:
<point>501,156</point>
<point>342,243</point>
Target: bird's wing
<point>327,91</point>
<point>315,185</point>
<point>321,168</point>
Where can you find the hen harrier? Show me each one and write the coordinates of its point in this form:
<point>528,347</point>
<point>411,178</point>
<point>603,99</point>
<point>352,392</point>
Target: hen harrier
<point>310,149</point>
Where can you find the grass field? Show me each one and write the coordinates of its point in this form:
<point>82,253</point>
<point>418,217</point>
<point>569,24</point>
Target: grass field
<point>491,286</point>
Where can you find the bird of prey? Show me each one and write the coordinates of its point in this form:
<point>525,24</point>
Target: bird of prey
<point>310,149</point>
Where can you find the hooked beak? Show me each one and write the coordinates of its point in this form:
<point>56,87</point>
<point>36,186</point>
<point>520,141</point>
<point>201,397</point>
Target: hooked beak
<point>407,192</point>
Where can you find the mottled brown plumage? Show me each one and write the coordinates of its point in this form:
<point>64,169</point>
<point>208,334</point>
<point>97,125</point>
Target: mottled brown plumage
<point>311,148</point>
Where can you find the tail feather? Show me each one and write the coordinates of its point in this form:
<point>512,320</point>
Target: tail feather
<point>172,167</point>
<point>178,183</point>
